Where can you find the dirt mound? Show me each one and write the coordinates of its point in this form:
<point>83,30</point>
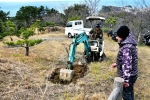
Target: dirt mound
<point>80,71</point>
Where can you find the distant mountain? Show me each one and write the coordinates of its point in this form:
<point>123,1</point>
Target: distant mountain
<point>128,8</point>
<point>106,9</point>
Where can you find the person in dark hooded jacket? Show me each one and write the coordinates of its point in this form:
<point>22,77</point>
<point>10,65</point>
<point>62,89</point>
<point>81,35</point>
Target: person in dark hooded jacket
<point>127,61</point>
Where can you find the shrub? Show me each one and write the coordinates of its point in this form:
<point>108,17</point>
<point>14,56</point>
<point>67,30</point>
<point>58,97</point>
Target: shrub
<point>38,41</point>
<point>33,42</point>
<point>106,29</point>
<point>9,43</point>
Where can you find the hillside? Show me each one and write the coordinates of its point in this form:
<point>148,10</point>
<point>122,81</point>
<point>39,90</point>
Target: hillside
<point>25,78</point>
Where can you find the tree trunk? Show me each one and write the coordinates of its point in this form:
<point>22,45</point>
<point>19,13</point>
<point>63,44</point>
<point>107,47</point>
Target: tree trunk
<point>139,36</point>
<point>11,38</point>
<point>27,49</point>
<point>48,29</point>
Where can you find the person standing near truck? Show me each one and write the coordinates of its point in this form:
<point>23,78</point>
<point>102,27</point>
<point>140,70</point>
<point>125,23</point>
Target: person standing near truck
<point>97,33</point>
<point>127,61</point>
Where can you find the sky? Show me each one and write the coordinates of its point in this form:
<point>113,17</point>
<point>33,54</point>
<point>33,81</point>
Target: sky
<point>14,5</point>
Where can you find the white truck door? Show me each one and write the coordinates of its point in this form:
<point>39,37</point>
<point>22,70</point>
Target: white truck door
<point>68,29</point>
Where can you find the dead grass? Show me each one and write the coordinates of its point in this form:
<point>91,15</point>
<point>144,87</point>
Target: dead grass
<point>25,77</point>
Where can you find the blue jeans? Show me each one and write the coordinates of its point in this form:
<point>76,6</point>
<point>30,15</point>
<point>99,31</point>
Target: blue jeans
<point>128,92</point>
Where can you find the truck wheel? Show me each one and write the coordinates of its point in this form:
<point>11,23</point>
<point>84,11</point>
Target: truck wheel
<point>69,35</point>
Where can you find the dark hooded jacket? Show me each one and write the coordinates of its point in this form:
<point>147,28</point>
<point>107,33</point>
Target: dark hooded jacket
<point>127,58</point>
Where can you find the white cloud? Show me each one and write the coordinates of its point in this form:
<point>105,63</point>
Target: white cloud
<point>29,0</point>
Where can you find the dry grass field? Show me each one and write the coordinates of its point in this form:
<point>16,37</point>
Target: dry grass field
<point>25,78</point>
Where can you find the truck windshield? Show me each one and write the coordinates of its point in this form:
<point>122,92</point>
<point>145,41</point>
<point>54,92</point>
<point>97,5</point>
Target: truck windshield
<point>69,24</point>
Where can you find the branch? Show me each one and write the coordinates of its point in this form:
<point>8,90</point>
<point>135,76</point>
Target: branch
<point>23,46</point>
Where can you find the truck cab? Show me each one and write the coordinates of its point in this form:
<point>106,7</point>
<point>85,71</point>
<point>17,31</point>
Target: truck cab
<point>75,27</point>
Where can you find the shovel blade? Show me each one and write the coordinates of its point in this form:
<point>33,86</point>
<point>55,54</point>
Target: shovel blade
<point>66,74</point>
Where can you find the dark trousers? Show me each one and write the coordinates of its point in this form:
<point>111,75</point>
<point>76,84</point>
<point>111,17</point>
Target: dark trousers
<point>128,92</point>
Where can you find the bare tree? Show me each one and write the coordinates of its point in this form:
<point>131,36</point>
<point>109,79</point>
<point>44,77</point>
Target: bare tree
<point>143,17</point>
<point>93,6</point>
<point>135,20</point>
<point>64,6</point>
<point>141,4</point>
